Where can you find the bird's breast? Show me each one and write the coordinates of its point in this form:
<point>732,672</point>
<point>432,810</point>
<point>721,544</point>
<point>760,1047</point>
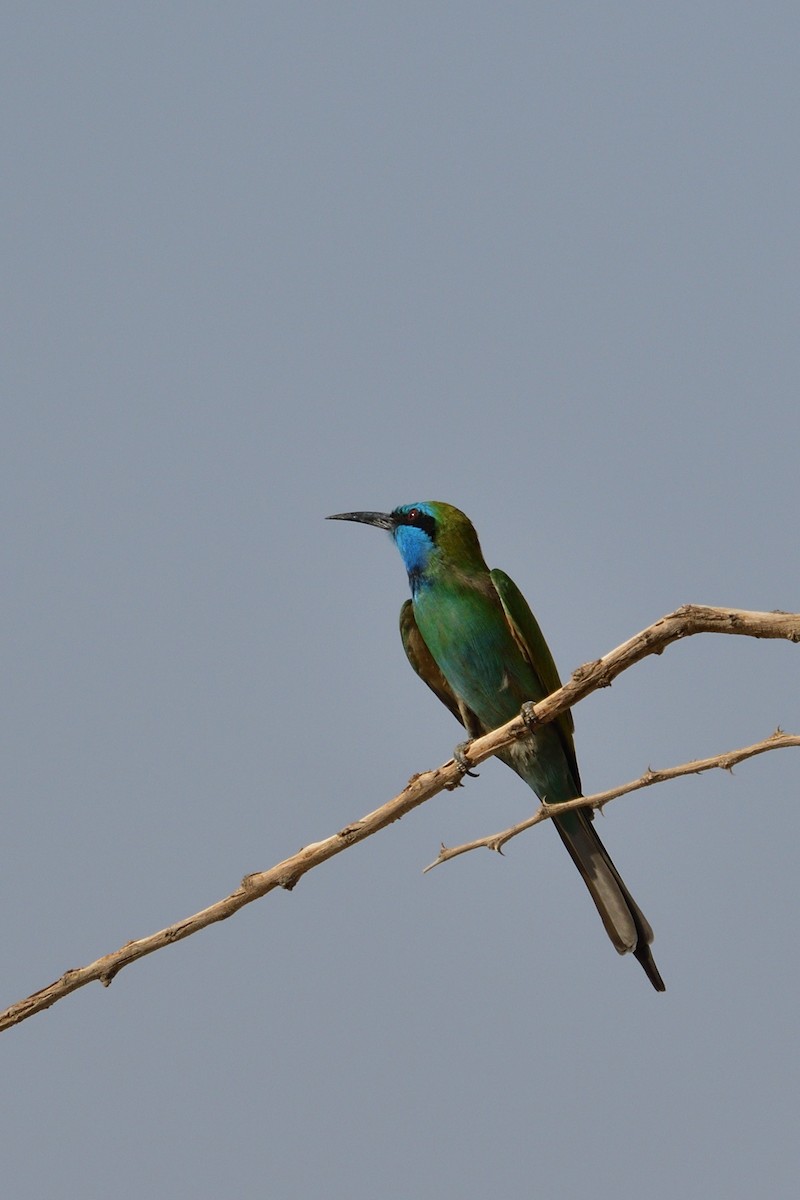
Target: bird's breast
<point>472,645</point>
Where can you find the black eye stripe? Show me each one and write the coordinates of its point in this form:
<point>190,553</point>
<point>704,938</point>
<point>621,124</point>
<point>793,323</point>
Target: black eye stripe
<point>419,519</point>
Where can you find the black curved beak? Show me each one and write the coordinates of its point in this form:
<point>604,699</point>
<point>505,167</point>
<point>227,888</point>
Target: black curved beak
<point>379,520</point>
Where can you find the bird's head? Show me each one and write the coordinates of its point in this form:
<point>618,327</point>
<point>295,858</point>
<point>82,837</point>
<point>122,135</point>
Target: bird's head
<point>430,535</point>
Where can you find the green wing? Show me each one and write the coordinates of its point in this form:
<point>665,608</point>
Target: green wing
<point>530,640</point>
<point>423,663</point>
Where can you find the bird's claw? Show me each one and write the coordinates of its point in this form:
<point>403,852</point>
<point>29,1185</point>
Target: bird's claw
<point>460,759</point>
<point>528,714</point>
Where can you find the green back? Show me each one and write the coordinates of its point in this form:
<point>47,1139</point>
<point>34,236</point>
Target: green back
<point>531,642</point>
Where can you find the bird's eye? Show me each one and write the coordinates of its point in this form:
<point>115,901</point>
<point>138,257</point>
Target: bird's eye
<point>417,517</point>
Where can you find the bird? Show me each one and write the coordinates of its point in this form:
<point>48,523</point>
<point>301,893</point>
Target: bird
<point>470,635</point>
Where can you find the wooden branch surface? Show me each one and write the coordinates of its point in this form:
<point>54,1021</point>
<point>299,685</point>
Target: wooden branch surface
<point>684,622</point>
<point>545,812</point>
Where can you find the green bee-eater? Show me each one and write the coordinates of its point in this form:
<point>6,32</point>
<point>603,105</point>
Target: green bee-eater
<point>470,635</point>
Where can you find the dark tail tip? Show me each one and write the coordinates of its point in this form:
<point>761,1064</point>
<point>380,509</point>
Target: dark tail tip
<point>643,955</point>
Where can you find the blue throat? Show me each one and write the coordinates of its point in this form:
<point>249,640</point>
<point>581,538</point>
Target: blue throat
<point>416,548</point>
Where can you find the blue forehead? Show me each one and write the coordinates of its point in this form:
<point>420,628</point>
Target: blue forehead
<point>423,506</point>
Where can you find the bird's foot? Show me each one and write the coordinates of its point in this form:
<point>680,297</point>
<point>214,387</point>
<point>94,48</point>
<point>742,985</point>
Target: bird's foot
<point>460,759</point>
<point>528,714</point>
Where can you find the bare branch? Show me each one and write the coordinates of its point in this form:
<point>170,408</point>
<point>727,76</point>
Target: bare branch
<point>686,621</point>
<point>725,762</point>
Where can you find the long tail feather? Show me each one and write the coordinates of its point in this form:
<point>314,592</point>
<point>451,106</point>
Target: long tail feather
<point>624,921</point>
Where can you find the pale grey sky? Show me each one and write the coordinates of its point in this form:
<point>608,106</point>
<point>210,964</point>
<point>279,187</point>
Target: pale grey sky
<point>268,262</point>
